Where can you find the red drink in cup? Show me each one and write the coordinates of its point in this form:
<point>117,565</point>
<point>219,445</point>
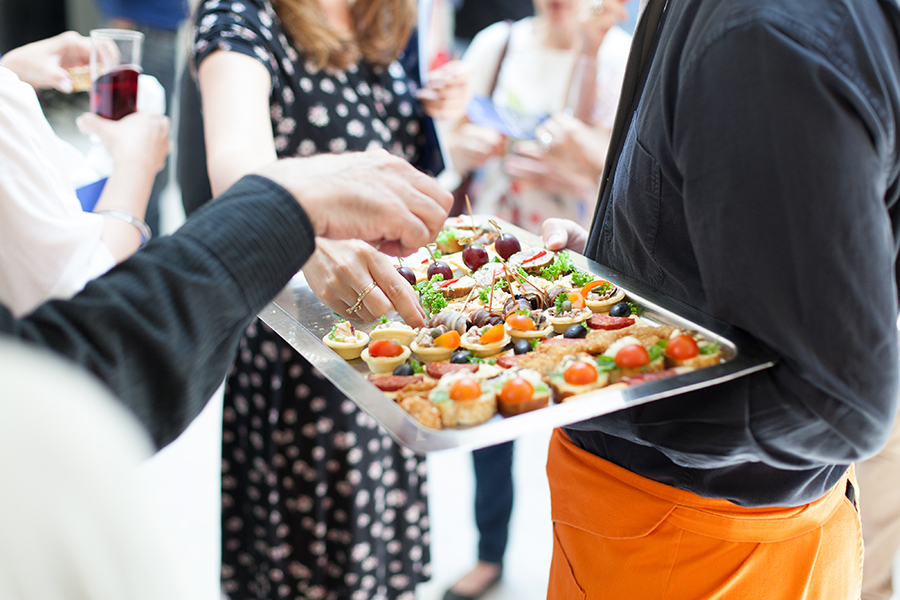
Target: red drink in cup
<point>115,66</point>
<point>114,94</point>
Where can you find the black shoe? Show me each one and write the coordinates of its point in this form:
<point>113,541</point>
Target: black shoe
<point>451,595</point>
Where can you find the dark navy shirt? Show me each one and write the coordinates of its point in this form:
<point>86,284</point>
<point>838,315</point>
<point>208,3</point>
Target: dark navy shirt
<point>758,182</point>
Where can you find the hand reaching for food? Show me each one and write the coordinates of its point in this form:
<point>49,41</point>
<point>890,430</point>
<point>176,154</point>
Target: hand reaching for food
<point>371,196</point>
<point>448,91</point>
<point>341,274</point>
<point>472,145</point>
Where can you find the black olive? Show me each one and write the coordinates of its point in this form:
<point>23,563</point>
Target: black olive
<point>460,357</point>
<point>576,331</point>
<point>522,346</point>
<point>535,303</point>
<point>404,369</point>
<point>622,309</point>
<point>519,297</point>
<point>469,324</point>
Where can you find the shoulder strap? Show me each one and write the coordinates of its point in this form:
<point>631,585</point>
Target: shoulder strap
<point>502,56</point>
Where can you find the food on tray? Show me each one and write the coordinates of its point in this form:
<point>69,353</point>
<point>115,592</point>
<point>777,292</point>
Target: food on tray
<point>383,356</point>
<point>393,330</point>
<point>408,274</point>
<point>464,400</point>
<point>513,329</point>
<point>345,340</point>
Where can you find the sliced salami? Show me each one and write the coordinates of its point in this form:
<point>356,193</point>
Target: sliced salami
<point>601,321</point>
<point>439,369</point>
<point>392,383</point>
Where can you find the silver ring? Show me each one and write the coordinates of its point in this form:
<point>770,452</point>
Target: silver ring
<point>597,7</point>
<point>359,299</point>
<point>545,138</point>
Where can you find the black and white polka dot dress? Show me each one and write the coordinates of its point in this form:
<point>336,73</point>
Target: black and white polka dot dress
<point>317,502</point>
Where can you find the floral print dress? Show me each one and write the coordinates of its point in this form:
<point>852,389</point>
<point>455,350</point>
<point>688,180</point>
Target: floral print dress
<point>317,501</point>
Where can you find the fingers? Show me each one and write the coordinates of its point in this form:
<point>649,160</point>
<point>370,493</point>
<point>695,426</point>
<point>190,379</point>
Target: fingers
<point>393,292</point>
<point>562,234</point>
<point>89,123</point>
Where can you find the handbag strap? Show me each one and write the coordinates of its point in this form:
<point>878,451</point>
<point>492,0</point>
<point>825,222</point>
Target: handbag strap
<point>509,25</point>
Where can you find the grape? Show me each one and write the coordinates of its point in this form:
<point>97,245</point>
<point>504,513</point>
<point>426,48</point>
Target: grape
<point>439,267</point>
<point>475,256</point>
<point>407,274</point>
<point>507,245</point>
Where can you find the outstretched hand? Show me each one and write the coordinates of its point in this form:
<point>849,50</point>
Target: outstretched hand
<point>43,64</point>
<point>563,234</point>
<point>371,196</point>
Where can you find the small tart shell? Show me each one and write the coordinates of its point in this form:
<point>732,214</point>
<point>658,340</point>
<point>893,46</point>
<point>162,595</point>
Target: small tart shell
<point>384,364</point>
<point>560,324</point>
<point>543,332</point>
<point>603,306</point>
<point>431,353</point>
<point>486,350</point>
<point>401,335</point>
<point>348,350</point>
<point>468,413</point>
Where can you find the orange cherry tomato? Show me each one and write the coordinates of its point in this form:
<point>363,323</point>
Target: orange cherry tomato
<point>520,322</point>
<point>682,347</point>
<point>385,348</point>
<point>580,373</point>
<point>494,334</point>
<point>465,389</point>
<point>632,356</point>
<point>577,301</point>
<point>516,391</point>
<point>449,340</point>
<point>587,288</point>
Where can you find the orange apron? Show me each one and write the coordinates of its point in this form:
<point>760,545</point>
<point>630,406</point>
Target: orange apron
<point>620,536</point>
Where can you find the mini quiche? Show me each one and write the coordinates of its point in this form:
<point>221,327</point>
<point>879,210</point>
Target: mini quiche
<point>632,358</point>
<point>600,296</point>
<point>521,390</point>
<point>568,309</point>
<point>383,356</point>
<point>528,325</point>
<point>464,400</point>
<point>393,330</point>
<point>577,374</point>
<point>346,340</point>
<point>434,344</point>
<point>683,350</point>
<point>485,341</point>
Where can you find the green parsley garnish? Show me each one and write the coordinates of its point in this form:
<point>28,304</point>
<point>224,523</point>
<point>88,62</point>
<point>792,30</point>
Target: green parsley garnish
<point>534,342</point>
<point>446,235</point>
<point>656,350</point>
<point>561,265</point>
<point>483,295</point>
<point>635,309</point>
<point>416,366</point>
<point>559,302</point>
<point>582,278</point>
<point>710,348</point>
<point>501,285</point>
<point>605,363</point>
<point>432,299</point>
<point>333,331</point>
<point>384,319</point>
<point>482,361</point>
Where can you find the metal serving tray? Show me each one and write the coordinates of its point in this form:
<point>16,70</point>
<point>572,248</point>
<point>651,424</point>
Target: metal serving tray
<point>298,317</point>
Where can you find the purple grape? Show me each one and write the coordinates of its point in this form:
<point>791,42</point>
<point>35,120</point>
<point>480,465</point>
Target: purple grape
<point>439,267</point>
<point>475,256</point>
<point>407,274</point>
<point>507,245</point>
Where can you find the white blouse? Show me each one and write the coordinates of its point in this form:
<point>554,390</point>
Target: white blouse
<point>49,247</point>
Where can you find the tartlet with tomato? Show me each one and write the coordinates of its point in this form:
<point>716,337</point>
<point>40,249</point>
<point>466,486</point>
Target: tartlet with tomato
<point>520,391</point>
<point>683,350</point>
<point>568,310</point>
<point>346,340</point>
<point>632,358</point>
<point>600,295</point>
<point>383,356</point>
<point>485,341</point>
<point>528,325</point>
<point>393,330</point>
<point>434,344</point>
<point>464,400</point>
<point>577,374</point>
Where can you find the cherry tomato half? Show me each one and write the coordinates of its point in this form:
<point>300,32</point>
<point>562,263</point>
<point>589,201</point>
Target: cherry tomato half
<point>632,356</point>
<point>580,373</point>
<point>385,348</point>
<point>449,340</point>
<point>494,334</point>
<point>465,389</point>
<point>516,391</point>
<point>520,322</point>
<point>682,347</point>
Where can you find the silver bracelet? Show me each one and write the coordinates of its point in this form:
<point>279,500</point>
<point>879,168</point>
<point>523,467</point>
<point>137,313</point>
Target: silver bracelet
<point>126,216</point>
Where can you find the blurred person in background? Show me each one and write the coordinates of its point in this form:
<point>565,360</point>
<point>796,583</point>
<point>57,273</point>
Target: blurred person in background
<point>50,247</point>
<point>304,77</point>
<point>570,55</point>
<point>159,21</point>
<point>472,16</point>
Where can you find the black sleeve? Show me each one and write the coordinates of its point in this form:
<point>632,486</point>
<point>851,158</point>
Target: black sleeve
<point>161,329</point>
